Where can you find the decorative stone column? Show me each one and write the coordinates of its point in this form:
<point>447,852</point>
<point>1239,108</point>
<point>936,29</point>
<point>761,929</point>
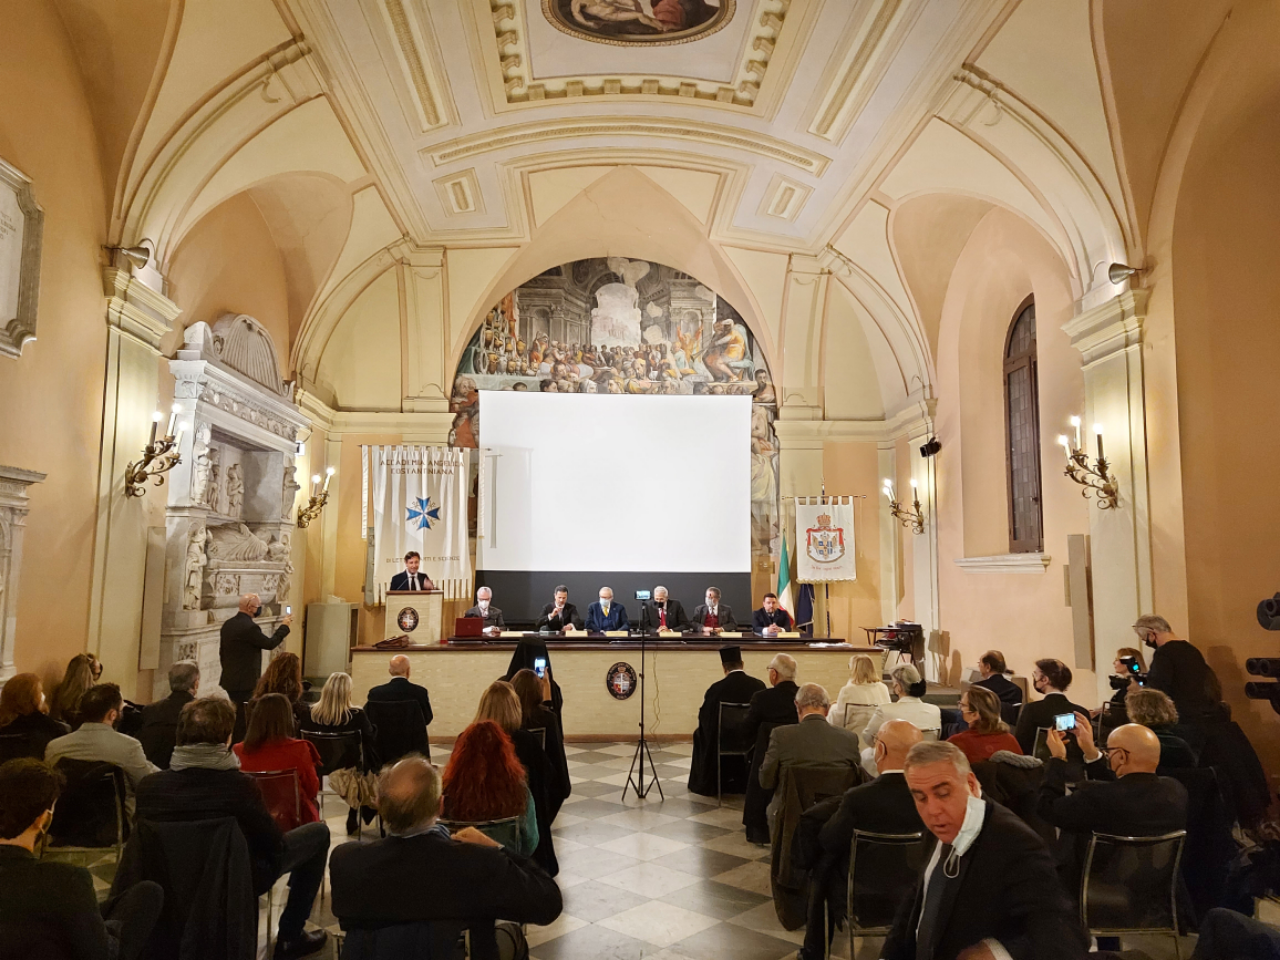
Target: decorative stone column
<point>1109,337</point>
<point>14,484</point>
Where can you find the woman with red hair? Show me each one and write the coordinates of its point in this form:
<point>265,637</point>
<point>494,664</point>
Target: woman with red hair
<point>284,675</point>
<point>484,780</point>
<point>24,712</point>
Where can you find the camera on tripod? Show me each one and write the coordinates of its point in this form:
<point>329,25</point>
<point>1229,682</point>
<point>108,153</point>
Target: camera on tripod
<point>1269,618</point>
<point>1132,671</point>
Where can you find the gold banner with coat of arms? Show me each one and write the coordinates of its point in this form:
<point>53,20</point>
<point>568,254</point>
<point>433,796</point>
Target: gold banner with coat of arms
<point>824,539</point>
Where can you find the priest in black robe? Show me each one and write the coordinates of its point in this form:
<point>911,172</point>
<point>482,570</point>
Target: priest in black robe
<point>736,687</point>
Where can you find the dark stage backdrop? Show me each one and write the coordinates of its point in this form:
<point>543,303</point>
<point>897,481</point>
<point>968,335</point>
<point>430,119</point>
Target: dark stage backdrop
<point>521,595</point>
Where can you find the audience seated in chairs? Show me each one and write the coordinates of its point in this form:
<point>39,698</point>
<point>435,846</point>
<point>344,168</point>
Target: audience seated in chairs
<point>159,728</point>
<point>335,714</point>
<point>882,806</point>
<point>284,676</point>
<point>270,746</point>
<point>97,739</point>
<point>407,897</point>
<point>501,704</point>
<point>25,725</point>
<point>908,687</point>
<point>538,712</point>
<point>811,741</point>
<point>1051,679</point>
<point>859,697</point>
<point>993,668</point>
<point>49,909</point>
<point>485,781</point>
<point>1155,710</point>
<point>772,707</point>
<point>204,782</point>
<point>399,687</point>
<point>1131,800</point>
<point>737,686</point>
<point>82,673</point>
<point>986,733</point>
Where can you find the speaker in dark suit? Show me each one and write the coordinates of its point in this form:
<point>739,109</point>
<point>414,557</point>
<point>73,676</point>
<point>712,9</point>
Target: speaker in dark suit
<point>411,582</point>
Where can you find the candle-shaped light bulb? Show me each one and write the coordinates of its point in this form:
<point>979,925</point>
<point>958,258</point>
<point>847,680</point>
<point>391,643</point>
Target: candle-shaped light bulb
<point>1097,429</point>
<point>315,482</point>
<point>915,493</point>
<point>328,475</point>
<point>182,428</point>
<point>155,421</point>
<point>1064,442</point>
<point>888,491</point>
<point>173,416</point>
<point>1075,422</point>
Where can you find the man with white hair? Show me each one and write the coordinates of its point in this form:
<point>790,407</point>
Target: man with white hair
<point>159,729</point>
<point>989,890</point>
<point>486,611</point>
<point>776,707</point>
<point>811,741</point>
<point>241,642</point>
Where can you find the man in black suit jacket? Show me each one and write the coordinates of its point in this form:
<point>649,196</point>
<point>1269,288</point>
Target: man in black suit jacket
<point>1051,678</point>
<point>992,667</point>
<point>882,806</point>
<point>713,616</point>
<point>676,619</point>
<point>770,620</point>
<point>399,688</point>
<point>204,782</point>
<point>1131,800</point>
<point>561,614</point>
<point>409,578</point>
<point>421,874</point>
<point>987,877</point>
<point>159,729</point>
<point>486,611</point>
<point>241,642</point>
<point>736,687</point>
<point>776,706</point>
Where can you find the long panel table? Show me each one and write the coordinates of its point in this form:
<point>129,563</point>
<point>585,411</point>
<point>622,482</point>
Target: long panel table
<point>678,674</point>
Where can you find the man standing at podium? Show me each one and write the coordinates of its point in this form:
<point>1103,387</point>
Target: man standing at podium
<point>410,579</point>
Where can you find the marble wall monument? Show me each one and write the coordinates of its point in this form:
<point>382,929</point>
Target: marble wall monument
<point>229,519</point>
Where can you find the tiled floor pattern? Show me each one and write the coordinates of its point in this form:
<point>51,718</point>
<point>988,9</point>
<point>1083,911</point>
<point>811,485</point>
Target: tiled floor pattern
<point>663,879</point>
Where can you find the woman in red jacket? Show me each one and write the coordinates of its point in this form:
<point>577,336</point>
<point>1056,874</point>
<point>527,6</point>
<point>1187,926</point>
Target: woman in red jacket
<point>987,733</point>
<point>270,745</point>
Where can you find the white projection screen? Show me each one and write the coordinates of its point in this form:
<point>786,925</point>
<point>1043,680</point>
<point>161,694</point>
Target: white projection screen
<point>589,482</point>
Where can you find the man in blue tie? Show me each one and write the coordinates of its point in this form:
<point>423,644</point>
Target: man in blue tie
<point>606,615</point>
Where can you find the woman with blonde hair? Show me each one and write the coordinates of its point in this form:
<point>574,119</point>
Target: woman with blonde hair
<point>987,733</point>
<point>349,775</point>
<point>24,712</point>
<point>82,672</point>
<point>859,697</point>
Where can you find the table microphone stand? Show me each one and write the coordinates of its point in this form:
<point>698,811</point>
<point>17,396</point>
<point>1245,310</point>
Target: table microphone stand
<point>635,778</point>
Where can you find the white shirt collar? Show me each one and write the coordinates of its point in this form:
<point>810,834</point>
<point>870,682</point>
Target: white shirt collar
<point>903,772</point>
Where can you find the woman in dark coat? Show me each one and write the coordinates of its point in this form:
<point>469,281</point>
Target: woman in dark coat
<point>536,714</point>
<point>522,658</point>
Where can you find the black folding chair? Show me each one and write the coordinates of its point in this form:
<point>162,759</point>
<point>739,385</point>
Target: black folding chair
<point>338,751</point>
<point>1130,885</point>
<point>731,737</point>
<point>541,734</point>
<point>883,870</point>
<point>16,745</point>
<point>89,816</point>
<point>399,729</point>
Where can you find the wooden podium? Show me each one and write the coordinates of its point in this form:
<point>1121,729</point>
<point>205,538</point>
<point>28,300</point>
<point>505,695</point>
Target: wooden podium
<point>415,614</point>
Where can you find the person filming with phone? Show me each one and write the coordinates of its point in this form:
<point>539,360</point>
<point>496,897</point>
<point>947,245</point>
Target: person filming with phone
<point>1050,678</point>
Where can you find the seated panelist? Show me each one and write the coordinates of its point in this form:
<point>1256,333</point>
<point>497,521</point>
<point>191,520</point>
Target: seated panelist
<point>668,614</point>
<point>713,616</point>
<point>409,578</point>
<point>605,615</point>
<point>770,620</point>
<point>560,614</point>
<point>486,611</point>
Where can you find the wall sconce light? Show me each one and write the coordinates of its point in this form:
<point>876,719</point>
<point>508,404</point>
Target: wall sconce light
<point>319,497</point>
<point>1118,273</point>
<point>1095,478</point>
<point>158,456</point>
<point>913,518</point>
<point>137,257</point>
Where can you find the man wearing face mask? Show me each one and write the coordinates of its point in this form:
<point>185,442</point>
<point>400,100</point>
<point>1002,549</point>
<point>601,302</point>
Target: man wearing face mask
<point>604,614</point>
<point>486,611</point>
<point>1179,669</point>
<point>713,616</point>
<point>989,890</point>
<point>240,649</point>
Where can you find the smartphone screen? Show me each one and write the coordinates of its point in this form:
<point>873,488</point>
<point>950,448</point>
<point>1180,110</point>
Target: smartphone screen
<point>1065,721</point>
<point>540,666</point>
<point>288,611</point>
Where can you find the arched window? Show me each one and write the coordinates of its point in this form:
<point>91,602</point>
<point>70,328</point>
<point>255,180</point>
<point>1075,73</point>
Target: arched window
<point>1022,432</point>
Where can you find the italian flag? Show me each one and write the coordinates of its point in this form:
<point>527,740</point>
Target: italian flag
<point>784,578</point>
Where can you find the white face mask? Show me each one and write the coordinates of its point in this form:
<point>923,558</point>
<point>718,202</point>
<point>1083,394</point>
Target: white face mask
<point>605,601</point>
<point>483,604</point>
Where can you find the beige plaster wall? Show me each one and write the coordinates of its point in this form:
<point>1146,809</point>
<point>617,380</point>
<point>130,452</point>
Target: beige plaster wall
<point>1024,615</point>
<point>51,398</point>
<point>850,469</point>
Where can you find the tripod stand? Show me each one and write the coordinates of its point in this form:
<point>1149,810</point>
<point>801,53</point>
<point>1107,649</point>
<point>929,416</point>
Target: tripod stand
<point>635,777</point>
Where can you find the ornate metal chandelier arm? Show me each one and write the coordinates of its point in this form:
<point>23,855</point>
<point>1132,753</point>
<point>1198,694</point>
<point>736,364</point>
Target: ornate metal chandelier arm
<point>913,518</point>
<point>158,458</point>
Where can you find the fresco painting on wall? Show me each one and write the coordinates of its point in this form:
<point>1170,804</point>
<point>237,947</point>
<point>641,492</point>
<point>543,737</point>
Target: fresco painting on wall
<point>638,21</point>
<point>620,326</point>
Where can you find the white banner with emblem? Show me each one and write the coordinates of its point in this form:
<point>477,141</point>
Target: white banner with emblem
<point>419,502</point>
<point>824,539</point>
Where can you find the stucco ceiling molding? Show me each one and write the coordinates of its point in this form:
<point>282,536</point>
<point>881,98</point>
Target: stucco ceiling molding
<point>190,157</point>
<point>514,84</point>
<point>688,131</point>
<point>426,106</point>
<point>1041,155</point>
<point>784,198</point>
<point>460,193</point>
<point>879,29</point>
